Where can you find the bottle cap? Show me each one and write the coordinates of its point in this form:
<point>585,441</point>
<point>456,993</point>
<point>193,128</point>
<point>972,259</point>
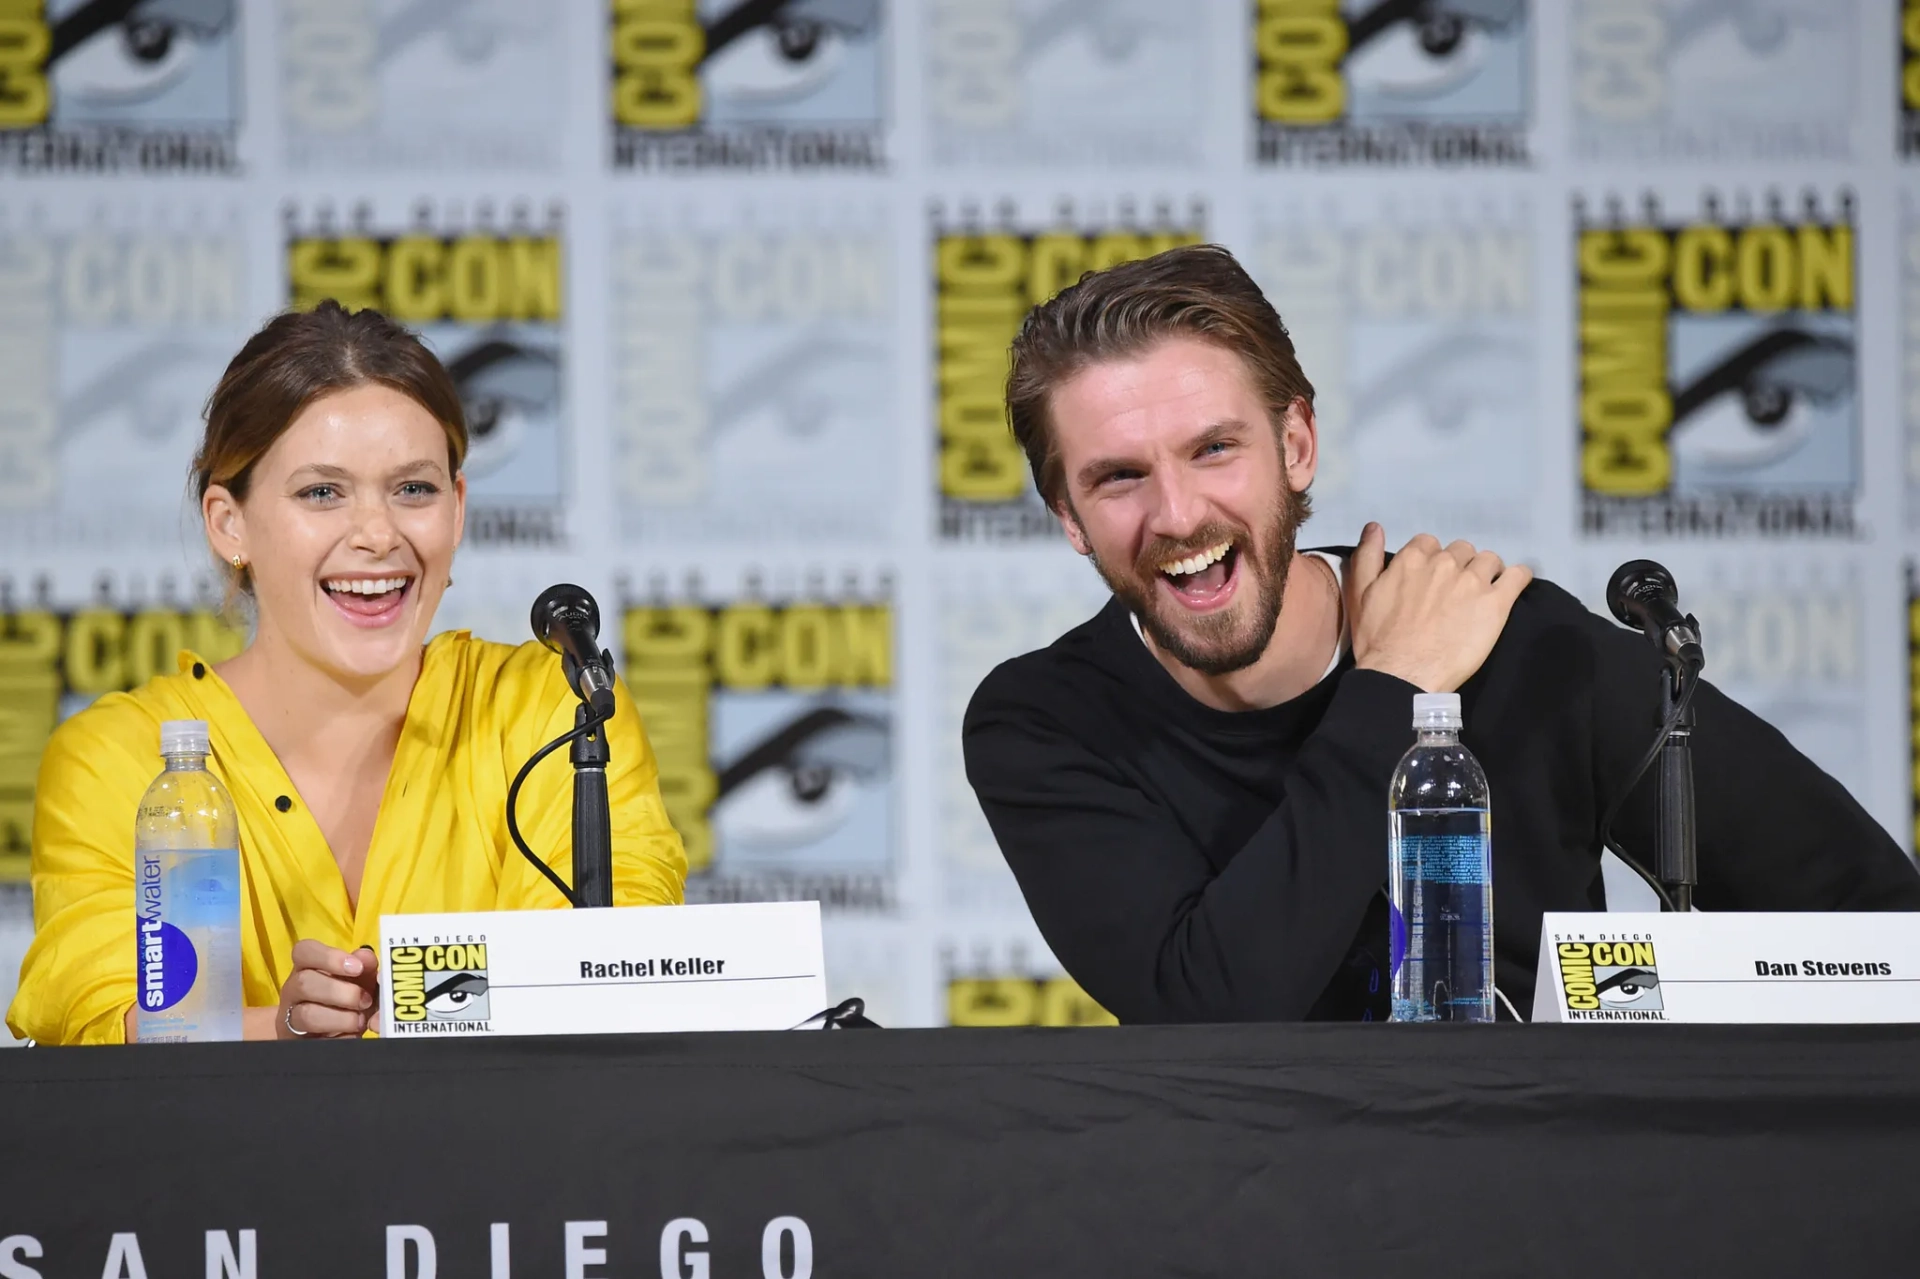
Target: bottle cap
<point>183,737</point>
<point>1436,710</point>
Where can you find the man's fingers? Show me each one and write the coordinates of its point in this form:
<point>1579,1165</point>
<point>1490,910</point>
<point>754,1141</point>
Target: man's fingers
<point>1512,580</point>
<point>1462,552</point>
<point>1368,559</point>
<point>1421,545</point>
<point>1486,565</point>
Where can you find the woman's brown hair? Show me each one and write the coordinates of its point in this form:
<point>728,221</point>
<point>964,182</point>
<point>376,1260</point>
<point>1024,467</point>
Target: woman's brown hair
<point>297,358</point>
<point>1198,291</point>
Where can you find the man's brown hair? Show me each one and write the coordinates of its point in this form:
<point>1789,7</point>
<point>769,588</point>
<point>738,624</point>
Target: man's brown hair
<point>1198,291</point>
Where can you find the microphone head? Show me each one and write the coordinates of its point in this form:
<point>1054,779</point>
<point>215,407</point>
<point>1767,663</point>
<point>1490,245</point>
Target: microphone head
<point>1639,580</point>
<point>565,599</point>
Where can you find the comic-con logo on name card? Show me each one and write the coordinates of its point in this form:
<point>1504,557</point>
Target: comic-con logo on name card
<point>989,271</point>
<point>103,86</point>
<point>115,319</point>
<point>1391,82</point>
<point>483,286</point>
<point>1718,368</point>
<point>1707,81</point>
<point>772,721</point>
<point>752,390</point>
<point>1616,980</point>
<point>56,659</point>
<point>400,83</point>
<point>748,84</point>
<point>1045,82</point>
<point>439,986</point>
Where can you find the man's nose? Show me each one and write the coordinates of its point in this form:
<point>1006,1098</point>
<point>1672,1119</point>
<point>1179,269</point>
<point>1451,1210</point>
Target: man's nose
<point>1178,510</point>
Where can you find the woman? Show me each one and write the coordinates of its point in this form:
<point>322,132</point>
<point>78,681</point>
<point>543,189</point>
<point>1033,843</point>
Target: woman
<point>369,768</point>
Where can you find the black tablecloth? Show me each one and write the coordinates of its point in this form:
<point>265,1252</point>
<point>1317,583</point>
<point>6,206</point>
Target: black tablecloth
<point>1269,1150</point>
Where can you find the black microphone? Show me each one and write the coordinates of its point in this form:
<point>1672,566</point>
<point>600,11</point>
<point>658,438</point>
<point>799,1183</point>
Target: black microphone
<point>566,620</point>
<point>1642,595</point>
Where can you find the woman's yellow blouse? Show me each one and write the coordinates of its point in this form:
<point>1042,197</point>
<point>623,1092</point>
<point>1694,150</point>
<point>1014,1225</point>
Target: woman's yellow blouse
<point>440,842</point>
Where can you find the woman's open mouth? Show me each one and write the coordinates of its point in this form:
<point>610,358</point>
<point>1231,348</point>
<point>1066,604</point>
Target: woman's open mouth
<point>368,601</point>
<point>1204,580</point>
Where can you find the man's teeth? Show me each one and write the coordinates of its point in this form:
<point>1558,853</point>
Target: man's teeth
<point>1194,563</point>
<point>368,586</point>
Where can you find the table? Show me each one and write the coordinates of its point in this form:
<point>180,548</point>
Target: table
<point>1270,1150</point>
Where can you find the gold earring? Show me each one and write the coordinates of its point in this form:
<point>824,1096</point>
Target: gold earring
<point>238,563</point>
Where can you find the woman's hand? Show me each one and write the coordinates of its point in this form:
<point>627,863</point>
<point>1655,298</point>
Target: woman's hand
<point>332,994</point>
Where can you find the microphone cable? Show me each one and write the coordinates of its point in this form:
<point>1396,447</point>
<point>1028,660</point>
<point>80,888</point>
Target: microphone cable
<point>594,720</point>
<point>1633,779</point>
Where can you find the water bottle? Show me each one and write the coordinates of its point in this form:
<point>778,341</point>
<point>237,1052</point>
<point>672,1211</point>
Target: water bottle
<point>1440,873</point>
<point>186,886</point>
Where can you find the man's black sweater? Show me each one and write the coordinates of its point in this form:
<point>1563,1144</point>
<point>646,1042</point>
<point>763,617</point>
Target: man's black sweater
<point>1191,864</point>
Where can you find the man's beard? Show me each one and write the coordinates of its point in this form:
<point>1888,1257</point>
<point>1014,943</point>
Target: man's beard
<point>1234,637</point>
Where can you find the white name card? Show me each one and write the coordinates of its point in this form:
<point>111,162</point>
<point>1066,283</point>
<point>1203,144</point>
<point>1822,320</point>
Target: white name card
<point>756,966</point>
<point>1704,967</point>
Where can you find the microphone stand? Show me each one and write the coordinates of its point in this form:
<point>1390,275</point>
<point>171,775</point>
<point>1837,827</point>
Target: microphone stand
<point>1676,861</point>
<point>592,817</point>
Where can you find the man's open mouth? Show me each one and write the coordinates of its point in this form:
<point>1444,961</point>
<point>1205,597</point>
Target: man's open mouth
<point>1205,578</point>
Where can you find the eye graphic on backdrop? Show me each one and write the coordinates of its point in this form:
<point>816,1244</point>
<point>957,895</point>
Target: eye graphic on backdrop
<point>155,391</point>
<point>1628,986</point>
<point>792,392</point>
<point>1761,26</point>
<point>471,31</point>
<point>779,52</point>
<point>102,53</point>
<point>461,997</point>
<point>1423,48</point>
<point>1112,30</point>
<point>504,385</point>
<point>1440,396</point>
<point>803,780</point>
<point>1762,401</point>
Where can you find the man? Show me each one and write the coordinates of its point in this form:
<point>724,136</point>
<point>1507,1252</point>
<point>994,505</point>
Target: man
<point>1191,787</point>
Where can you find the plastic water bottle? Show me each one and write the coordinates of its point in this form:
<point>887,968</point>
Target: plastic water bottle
<point>1440,873</point>
<point>186,885</point>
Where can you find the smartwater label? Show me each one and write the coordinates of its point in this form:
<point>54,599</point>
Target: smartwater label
<point>187,906</point>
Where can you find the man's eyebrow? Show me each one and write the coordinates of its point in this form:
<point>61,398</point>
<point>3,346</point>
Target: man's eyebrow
<point>1094,471</point>
<point>1225,428</point>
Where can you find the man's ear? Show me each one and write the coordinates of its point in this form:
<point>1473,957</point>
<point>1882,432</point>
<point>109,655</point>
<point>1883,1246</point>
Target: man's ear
<point>1300,445</point>
<point>1070,525</point>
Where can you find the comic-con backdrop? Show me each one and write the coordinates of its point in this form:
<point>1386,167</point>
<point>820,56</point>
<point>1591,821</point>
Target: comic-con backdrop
<point>726,286</point>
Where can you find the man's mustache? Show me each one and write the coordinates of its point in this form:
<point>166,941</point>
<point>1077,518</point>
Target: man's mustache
<point>1163,549</point>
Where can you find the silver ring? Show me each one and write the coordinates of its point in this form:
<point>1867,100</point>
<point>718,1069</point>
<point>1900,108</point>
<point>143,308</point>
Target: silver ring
<point>287,1018</point>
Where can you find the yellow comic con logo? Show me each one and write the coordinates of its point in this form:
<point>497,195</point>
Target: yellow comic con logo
<point>442,982</point>
<point>1602,979</point>
<point>985,281</point>
<point>1717,371</point>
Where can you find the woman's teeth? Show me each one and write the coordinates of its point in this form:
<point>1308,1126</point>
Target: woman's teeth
<point>1194,563</point>
<point>368,586</point>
